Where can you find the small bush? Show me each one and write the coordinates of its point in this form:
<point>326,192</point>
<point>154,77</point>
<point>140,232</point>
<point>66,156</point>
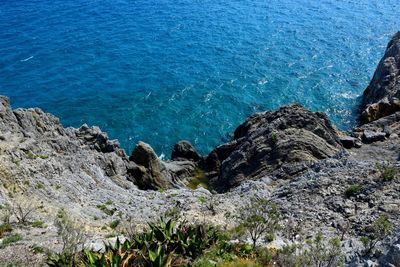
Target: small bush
<point>10,240</point>
<point>388,173</point>
<point>378,231</point>
<point>352,190</point>
<point>5,228</point>
<point>259,218</point>
<point>38,224</point>
<point>72,239</point>
<point>106,210</point>
<point>165,242</point>
<point>114,224</point>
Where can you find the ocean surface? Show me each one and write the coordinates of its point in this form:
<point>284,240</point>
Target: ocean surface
<point>165,70</point>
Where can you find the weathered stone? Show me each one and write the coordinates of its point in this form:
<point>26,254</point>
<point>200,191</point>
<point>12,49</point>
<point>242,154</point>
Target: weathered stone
<point>392,257</point>
<point>381,98</point>
<point>271,140</point>
<point>157,174</point>
<point>183,150</point>
<point>370,136</point>
<point>350,142</point>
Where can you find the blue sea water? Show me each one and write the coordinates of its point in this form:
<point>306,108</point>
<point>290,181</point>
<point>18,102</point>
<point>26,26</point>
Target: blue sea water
<point>166,70</point>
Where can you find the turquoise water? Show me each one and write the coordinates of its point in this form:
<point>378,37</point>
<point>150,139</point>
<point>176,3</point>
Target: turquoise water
<point>165,70</point>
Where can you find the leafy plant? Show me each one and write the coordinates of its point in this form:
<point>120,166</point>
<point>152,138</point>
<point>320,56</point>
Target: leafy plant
<point>378,231</point>
<point>388,173</point>
<point>160,245</point>
<point>258,218</point>
<point>9,240</point>
<point>314,252</point>
<point>5,228</point>
<point>38,224</point>
<point>72,238</point>
<point>352,190</point>
<point>114,224</point>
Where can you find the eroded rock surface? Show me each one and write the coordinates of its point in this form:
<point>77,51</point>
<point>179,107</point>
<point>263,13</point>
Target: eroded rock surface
<point>382,96</point>
<point>282,139</point>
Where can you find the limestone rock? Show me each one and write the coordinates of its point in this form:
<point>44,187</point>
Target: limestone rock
<point>273,140</point>
<point>392,257</point>
<point>381,98</point>
<point>152,173</point>
<point>184,150</point>
<point>350,142</point>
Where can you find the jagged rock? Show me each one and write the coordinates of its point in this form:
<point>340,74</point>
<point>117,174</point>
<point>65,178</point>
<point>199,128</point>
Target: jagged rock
<point>183,150</point>
<point>392,257</point>
<point>145,156</point>
<point>96,139</point>
<point>153,173</point>
<point>350,142</point>
<point>371,136</point>
<point>273,140</point>
<point>381,98</point>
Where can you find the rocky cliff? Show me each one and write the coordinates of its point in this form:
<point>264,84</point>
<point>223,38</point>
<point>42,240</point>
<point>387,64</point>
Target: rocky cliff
<point>291,156</point>
<point>382,96</point>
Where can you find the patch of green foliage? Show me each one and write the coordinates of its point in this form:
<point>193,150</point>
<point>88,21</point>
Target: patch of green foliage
<point>38,224</point>
<point>114,224</point>
<point>5,228</point>
<point>352,190</point>
<point>376,232</point>
<point>72,240</point>
<point>388,173</point>
<point>163,244</point>
<point>106,210</point>
<point>10,240</point>
<point>259,218</point>
<point>198,179</point>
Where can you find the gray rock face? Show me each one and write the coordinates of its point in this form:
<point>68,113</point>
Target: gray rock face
<point>153,173</point>
<point>282,139</point>
<point>350,142</point>
<point>382,96</point>
<point>183,150</point>
<point>392,257</point>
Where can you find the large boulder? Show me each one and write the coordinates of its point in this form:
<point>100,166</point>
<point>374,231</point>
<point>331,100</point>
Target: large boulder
<point>184,150</point>
<point>382,96</point>
<point>282,139</point>
<point>152,173</point>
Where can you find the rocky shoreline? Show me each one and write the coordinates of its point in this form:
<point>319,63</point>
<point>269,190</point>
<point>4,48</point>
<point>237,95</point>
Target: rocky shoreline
<point>291,156</point>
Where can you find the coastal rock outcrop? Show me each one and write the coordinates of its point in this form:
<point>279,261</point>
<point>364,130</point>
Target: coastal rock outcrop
<point>282,139</point>
<point>152,173</point>
<point>382,96</point>
<point>184,150</point>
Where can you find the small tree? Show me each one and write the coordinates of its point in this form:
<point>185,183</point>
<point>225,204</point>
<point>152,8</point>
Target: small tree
<point>378,231</point>
<point>72,236</point>
<point>324,254</point>
<point>258,218</point>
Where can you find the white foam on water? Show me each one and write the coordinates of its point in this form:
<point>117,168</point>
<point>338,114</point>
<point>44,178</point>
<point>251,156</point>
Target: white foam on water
<point>26,59</point>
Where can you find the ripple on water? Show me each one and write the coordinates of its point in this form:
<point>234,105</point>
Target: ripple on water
<point>164,70</point>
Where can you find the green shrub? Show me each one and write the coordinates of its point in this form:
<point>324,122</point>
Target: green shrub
<point>314,252</point>
<point>352,190</point>
<point>10,240</point>
<point>259,217</point>
<point>164,242</point>
<point>388,173</point>
<point>376,232</point>
<point>106,210</point>
<point>72,240</point>
<point>5,228</point>
<point>38,224</point>
<point>114,224</point>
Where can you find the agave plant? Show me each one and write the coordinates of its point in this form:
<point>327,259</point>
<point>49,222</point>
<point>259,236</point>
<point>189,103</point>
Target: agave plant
<point>156,247</point>
<point>121,254</point>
